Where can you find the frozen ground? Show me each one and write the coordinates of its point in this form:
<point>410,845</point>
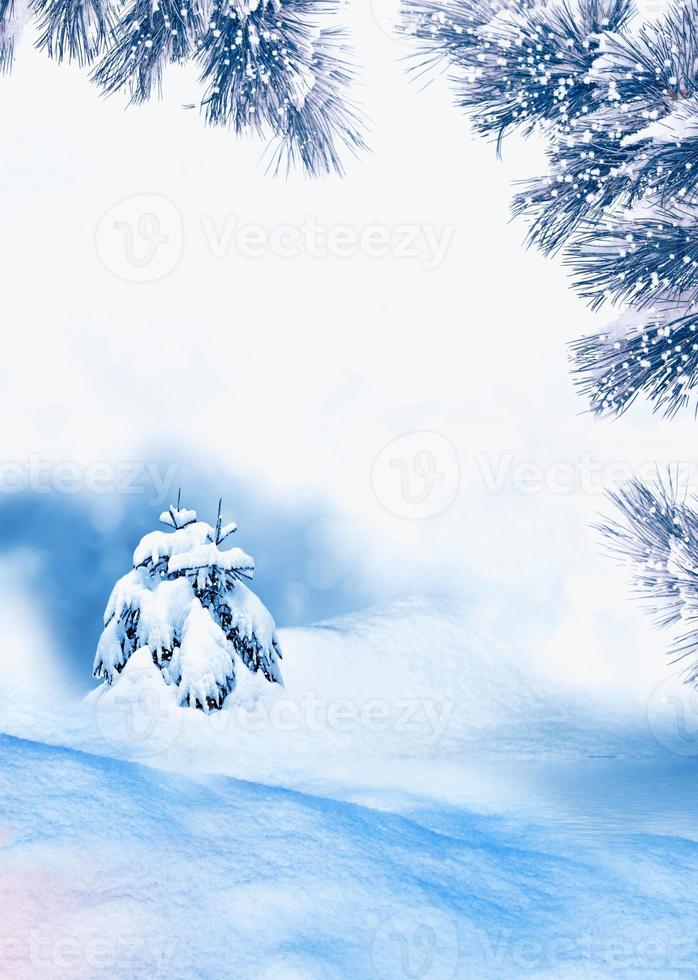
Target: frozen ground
<point>421,800</point>
<point>114,870</point>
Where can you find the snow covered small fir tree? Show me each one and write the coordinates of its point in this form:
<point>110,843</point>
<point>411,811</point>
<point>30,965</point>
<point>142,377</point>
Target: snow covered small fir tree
<point>186,601</point>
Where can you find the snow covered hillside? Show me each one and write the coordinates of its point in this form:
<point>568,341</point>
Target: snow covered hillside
<point>419,800</point>
<point>112,870</point>
<point>373,705</point>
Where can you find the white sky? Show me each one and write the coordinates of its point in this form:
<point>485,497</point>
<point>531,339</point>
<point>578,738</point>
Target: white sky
<point>299,371</point>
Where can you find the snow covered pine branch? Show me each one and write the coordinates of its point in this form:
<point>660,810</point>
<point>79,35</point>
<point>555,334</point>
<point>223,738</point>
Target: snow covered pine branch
<point>277,68</point>
<point>185,600</point>
<point>617,105</point>
<point>657,536</point>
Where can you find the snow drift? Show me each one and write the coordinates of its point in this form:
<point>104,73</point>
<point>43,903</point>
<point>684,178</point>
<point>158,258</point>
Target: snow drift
<point>489,841</point>
<point>395,700</point>
<point>110,870</point>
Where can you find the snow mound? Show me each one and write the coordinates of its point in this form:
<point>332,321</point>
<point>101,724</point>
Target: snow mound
<point>113,871</point>
<point>407,699</point>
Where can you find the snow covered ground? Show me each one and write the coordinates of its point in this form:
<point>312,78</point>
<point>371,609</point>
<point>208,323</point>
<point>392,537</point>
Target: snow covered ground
<point>422,799</point>
<point>126,871</point>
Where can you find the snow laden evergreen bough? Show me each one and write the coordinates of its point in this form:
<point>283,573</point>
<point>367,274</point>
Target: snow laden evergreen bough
<point>277,68</point>
<point>617,104</point>
<point>656,535</point>
<point>186,601</point>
